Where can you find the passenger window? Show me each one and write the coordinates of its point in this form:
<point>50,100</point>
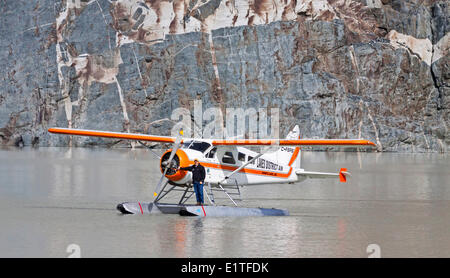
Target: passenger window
<point>249,158</point>
<point>228,158</point>
<point>211,153</point>
<point>241,157</point>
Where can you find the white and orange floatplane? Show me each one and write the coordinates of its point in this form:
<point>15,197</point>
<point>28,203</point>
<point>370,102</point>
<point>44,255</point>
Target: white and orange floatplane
<point>228,164</point>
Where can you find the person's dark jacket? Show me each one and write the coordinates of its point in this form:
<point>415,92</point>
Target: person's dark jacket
<point>198,172</point>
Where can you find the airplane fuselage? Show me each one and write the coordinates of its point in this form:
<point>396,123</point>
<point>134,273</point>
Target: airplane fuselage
<point>221,162</point>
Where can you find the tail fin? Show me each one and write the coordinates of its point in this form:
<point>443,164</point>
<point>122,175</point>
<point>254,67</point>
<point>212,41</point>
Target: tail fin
<point>287,155</point>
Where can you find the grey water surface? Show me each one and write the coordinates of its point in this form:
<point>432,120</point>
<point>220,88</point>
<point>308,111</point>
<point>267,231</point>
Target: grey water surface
<point>394,205</point>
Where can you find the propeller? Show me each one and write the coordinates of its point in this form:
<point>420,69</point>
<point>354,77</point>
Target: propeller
<point>176,145</point>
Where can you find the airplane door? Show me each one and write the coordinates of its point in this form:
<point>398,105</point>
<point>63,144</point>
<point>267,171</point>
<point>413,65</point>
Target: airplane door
<point>211,158</point>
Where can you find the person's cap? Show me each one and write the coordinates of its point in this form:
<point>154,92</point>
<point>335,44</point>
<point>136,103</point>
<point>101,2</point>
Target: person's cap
<point>195,159</point>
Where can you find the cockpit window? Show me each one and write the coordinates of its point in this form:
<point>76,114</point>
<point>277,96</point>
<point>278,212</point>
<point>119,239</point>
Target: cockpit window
<point>212,153</point>
<point>241,156</point>
<point>196,145</point>
<point>187,144</point>
<point>228,158</point>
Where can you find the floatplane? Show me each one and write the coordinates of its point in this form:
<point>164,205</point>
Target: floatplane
<point>228,164</point>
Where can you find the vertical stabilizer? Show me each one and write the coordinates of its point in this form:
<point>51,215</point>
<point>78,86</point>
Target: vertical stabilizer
<point>288,155</point>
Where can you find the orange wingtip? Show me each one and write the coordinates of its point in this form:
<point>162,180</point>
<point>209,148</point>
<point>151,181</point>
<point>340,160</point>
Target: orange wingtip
<point>342,177</point>
<point>109,134</point>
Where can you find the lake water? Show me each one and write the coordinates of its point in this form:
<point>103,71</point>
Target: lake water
<point>51,198</point>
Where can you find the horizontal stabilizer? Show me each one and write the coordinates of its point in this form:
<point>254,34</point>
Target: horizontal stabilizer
<point>342,175</point>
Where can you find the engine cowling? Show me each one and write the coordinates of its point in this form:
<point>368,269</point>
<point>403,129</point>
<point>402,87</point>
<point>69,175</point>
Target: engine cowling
<point>179,160</point>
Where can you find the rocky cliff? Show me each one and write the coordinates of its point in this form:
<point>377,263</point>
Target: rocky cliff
<point>373,69</point>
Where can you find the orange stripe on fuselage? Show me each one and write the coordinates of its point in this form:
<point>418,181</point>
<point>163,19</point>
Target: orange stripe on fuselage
<point>245,170</point>
<point>294,156</point>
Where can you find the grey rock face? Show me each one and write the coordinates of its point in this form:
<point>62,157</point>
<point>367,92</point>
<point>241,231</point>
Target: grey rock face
<point>331,69</point>
<point>29,89</point>
<point>440,21</point>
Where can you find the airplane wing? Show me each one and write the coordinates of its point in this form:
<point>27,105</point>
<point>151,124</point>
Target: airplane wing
<point>295,142</point>
<point>216,142</point>
<point>320,175</point>
<point>118,135</point>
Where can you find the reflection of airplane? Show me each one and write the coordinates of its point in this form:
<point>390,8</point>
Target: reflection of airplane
<point>228,165</point>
